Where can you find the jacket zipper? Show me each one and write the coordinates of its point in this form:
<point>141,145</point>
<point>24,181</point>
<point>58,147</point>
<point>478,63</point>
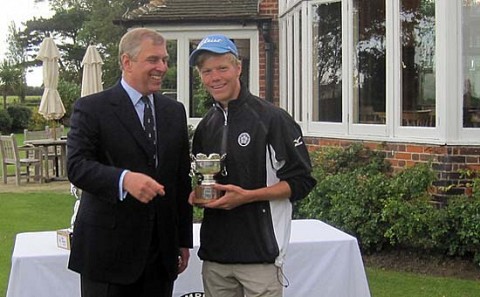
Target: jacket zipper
<point>223,145</point>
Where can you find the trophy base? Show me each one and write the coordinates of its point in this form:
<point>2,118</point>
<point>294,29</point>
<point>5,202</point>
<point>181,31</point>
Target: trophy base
<point>205,194</point>
<point>64,238</point>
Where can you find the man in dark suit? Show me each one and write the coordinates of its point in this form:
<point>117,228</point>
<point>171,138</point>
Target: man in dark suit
<point>133,229</point>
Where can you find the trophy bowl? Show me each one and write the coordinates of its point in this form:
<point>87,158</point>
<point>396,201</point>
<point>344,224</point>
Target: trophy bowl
<point>206,167</point>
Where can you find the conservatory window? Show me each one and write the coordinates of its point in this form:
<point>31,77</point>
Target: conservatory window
<point>471,63</point>
<point>369,56</point>
<point>327,61</point>
<point>417,19</point>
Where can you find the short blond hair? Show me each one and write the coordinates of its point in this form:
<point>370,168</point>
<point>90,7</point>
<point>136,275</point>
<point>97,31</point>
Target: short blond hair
<point>204,55</point>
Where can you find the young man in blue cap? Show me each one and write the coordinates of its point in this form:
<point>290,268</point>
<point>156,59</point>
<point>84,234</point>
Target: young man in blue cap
<point>245,232</point>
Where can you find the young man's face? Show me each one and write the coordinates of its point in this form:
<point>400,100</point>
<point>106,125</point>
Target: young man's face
<point>146,71</point>
<point>220,75</point>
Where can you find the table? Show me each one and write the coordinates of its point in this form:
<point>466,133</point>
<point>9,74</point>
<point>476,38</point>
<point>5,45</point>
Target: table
<point>421,117</point>
<point>321,261</point>
<point>60,163</point>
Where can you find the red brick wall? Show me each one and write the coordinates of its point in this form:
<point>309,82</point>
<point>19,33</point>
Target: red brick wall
<point>446,160</point>
<point>269,8</point>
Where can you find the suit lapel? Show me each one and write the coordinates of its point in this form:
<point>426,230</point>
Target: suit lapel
<point>125,111</point>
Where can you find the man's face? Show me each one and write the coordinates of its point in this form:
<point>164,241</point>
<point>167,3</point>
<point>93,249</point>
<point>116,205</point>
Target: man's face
<point>221,77</point>
<point>145,72</point>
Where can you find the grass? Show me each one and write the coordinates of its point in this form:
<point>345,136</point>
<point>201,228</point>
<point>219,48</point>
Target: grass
<point>25,212</point>
<point>52,210</point>
<point>30,101</point>
<point>401,284</point>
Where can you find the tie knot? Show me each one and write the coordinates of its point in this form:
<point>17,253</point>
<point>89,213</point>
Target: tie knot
<point>145,100</point>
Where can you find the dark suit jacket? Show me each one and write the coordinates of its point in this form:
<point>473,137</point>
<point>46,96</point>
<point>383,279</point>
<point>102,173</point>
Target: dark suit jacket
<point>111,238</point>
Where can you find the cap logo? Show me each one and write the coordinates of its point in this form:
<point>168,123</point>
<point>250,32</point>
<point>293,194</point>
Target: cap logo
<point>209,40</point>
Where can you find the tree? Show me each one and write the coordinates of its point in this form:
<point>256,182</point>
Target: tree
<point>17,55</point>
<point>10,76</point>
<point>75,25</point>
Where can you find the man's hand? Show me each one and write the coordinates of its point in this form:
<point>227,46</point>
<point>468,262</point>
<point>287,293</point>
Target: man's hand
<point>183,259</point>
<point>142,187</point>
<point>191,197</point>
<point>234,196</point>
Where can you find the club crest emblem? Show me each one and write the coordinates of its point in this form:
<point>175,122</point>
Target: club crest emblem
<point>243,139</point>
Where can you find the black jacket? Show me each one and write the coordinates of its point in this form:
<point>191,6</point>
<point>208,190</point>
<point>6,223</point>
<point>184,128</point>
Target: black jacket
<point>263,145</point>
<point>111,238</point>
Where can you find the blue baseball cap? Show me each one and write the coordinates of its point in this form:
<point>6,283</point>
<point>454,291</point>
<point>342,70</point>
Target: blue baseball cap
<point>215,43</point>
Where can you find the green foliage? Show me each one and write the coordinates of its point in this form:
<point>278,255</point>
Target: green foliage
<point>5,122</point>
<point>202,100</point>
<point>69,92</point>
<point>20,117</point>
<point>412,182</point>
<point>412,219</point>
<point>413,223</point>
<point>37,121</point>
<point>349,193</point>
<point>461,224</point>
<point>10,79</point>
<point>74,25</point>
<point>357,193</point>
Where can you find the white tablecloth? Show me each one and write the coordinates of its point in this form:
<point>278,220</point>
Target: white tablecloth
<point>321,261</point>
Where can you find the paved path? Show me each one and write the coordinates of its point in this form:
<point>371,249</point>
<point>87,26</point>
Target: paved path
<point>53,186</point>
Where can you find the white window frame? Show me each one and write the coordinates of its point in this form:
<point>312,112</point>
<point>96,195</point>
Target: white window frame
<point>184,34</point>
<point>448,74</point>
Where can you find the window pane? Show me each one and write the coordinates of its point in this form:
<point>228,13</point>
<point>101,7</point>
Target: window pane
<point>369,84</point>
<point>471,63</point>
<point>417,19</point>
<point>327,58</point>
<point>200,100</point>
<point>169,83</point>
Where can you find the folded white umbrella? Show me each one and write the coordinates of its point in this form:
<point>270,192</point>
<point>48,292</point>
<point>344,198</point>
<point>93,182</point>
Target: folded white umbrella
<point>51,106</point>
<point>92,72</point>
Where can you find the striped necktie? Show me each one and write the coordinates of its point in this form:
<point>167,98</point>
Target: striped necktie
<point>148,122</point>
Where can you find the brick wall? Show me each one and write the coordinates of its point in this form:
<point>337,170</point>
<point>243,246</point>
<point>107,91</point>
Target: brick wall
<point>446,160</point>
<point>269,8</point>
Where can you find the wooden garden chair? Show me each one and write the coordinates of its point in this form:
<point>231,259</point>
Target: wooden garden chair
<point>23,157</point>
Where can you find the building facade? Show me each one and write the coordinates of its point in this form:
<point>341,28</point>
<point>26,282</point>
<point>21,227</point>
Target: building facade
<point>399,76</point>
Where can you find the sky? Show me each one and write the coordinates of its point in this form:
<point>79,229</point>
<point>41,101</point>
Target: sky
<point>20,11</point>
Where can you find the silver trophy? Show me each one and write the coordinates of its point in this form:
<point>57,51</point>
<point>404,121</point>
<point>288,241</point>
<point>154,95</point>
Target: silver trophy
<point>206,168</point>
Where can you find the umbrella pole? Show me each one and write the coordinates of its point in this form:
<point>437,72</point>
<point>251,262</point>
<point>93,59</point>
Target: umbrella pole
<point>54,130</point>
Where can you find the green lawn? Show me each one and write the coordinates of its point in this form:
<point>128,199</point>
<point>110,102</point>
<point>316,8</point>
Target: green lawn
<point>31,101</point>
<point>41,211</point>
<point>401,284</point>
<point>25,212</point>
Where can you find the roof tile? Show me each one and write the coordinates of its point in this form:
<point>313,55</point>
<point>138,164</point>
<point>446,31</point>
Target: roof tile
<point>195,10</point>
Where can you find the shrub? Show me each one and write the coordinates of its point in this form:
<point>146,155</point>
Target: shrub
<point>20,117</point>
<point>5,122</point>
<point>357,193</point>
<point>411,218</point>
<point>350,193</point>
<point>461,222</point>
<point>37,121</point>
